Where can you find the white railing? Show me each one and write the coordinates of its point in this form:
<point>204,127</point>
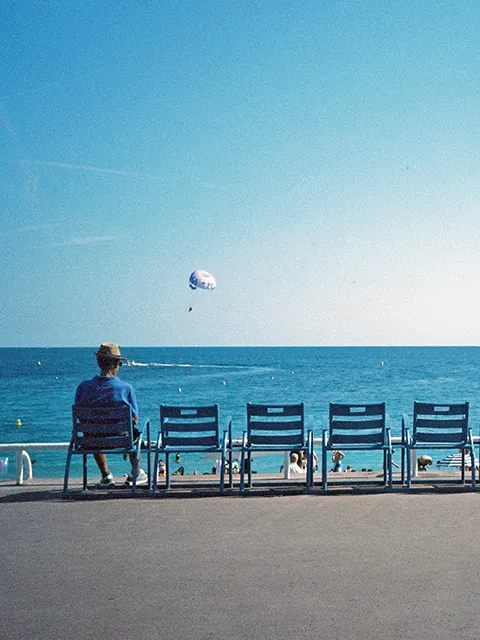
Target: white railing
<point>23,458</point>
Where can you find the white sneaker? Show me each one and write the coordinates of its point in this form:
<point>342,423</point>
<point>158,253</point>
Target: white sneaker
<point>107,481</point>
<point>142,479</point>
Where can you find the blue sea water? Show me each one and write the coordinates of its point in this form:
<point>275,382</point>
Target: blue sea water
<point>38,384</point>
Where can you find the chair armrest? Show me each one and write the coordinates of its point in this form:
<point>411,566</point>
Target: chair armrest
<point>148,431</point>
<point>388,433</point>
<point>310,443</point>
<point>325,438</point>
<point>227,433</point>
<point>470,438</point>
<point>406,437</point>
<point>405,425</point>
<point>244,439</point>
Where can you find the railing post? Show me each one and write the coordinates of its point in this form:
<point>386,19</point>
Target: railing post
<point>413,462</point>
<point>28,464</point>
<point>21,457</point>
<point>19,462</point>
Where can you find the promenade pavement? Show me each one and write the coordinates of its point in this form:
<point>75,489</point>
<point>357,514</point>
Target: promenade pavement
<point>363,566</point>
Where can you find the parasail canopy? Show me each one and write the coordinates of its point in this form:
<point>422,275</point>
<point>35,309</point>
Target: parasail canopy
<point>201,279</point>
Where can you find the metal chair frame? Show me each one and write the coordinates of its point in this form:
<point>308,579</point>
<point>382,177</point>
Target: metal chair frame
<point>273,427</point>
<point>358,427</point>
<point>106,430</point>
<point>437,426</point>
<point>191,429</point>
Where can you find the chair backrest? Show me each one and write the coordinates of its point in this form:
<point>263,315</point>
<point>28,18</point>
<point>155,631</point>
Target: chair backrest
<point>102,427</point>
<point>362,425</point>
<point>195,427</point>
<point>280,426</point>
<point>440,424</point>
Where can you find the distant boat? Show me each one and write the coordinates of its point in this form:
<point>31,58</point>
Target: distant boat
<point>132,363</point>
<point>454,460</point>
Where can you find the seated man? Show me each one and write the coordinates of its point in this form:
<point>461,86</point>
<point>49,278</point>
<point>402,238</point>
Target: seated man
<point>294,467</point>
<point>108,390</point>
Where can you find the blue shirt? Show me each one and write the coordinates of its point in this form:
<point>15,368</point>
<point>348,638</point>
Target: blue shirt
<point>106,391</point>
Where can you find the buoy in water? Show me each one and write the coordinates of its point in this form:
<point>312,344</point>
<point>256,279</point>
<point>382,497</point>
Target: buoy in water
<point>38,363</point>
<point>180,389</point>
<point>223,382</point>
<point>18,422</point>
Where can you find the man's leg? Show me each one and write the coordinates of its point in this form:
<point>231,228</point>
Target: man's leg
<point>132,461</point>
<point>101,460</point>
<point>136,433</point>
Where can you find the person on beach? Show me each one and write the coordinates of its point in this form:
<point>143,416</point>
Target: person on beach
<point>337,457</point>
<point>108,390</point>
<point>294,467</point>
<point>423,462</point>
<point>302,459</point>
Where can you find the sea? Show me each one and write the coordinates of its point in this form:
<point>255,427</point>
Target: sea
<point>37,387</point>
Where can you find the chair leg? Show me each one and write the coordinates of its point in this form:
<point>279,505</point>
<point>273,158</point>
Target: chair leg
<point>307,475</point>
<point>167,470</point>
<point>310,464</point>
<point>155,471</point>
<point>242,471</point>
<point>324,469</point>
<point>409,467</point>
<point>472,462</point>
<point>222,473</point>
<point>136,468</point>
<point>149,467</point>
<point>390,470</point>
<point>85,473</point>
<point>309,472</point>
<point>67,473</point>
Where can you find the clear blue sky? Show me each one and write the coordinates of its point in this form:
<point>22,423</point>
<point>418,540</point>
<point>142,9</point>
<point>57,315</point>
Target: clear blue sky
<point>322,159</point>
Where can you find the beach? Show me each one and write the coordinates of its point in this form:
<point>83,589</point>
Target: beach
<point>364,566</point>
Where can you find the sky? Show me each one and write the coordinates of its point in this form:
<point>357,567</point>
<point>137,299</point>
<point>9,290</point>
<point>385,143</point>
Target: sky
<point>320,158</point>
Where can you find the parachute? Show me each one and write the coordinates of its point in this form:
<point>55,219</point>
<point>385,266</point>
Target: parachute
<point>202,280</point>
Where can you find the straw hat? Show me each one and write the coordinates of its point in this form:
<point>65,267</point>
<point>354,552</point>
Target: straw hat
<point>110,351</point>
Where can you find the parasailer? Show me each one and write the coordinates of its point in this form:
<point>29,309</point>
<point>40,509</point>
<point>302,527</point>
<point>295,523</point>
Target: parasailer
<point>201,279</point>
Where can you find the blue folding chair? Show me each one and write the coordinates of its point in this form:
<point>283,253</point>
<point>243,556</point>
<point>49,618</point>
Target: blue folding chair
<point>438,426</point>
<point>107,430</point>
<point>272,427</point>
<point>358,427</point>
<point>189,429</point>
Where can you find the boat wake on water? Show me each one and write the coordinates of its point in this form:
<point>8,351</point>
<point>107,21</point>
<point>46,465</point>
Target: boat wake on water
<point>230,367</point>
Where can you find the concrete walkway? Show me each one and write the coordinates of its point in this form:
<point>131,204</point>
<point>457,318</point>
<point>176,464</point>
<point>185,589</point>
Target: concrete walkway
<point>358,566</point>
